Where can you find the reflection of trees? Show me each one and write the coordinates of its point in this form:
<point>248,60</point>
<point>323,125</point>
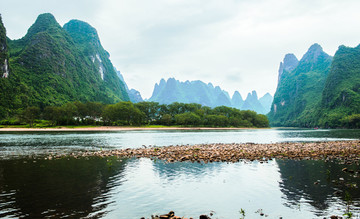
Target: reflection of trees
<point>299,180</point>
<point>63,187</point>
<point>309,133</point>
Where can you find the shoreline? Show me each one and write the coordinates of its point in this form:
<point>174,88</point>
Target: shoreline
<point>116,128</point>
<point>347,151</point>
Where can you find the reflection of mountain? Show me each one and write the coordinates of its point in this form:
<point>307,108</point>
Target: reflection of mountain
<point>298,178</point>
<point>57,188</point>
<point>172,170</point>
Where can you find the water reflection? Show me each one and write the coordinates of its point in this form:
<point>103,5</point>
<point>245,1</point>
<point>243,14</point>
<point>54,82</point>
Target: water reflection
<point>192,189</point>
<point>132,188</point>
<point>316,134</point>
<point>321,184</point>
<point>58,188</point>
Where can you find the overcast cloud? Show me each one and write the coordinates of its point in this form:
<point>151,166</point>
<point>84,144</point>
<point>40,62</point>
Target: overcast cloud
<point>236,44</point>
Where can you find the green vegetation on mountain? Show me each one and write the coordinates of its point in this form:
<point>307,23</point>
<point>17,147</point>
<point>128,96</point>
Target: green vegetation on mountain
<point>54,70</point>
<point>298,95</point>
<point>7,84</point>
<point>142,113</point>
<point>341,95</point>
<point>52,65</point>
<point>87,40</point>
<point>319,91</point>
<point>3,47</point>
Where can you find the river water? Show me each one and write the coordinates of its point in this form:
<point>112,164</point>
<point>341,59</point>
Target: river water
<point>131,188</point>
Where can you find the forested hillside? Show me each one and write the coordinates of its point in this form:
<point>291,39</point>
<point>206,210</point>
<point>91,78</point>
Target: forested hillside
<point>299,90</point>
<point>341,96</point>
<point>320,91</point>
<point>52,65</point>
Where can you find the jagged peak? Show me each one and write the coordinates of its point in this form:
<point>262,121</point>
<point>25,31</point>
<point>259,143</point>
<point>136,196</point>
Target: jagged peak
<point>217,89</point>
<point>197,82</point>
<point>1,22</point>
<point>315,47</point>
<point>3,38</point>
<point>289,63</point>
<point>248,95</point>
<point>236,95</point>
<point>43,23</point>
<point>267,95</point>
<point>289,59</point>
<point>251,96</point>
<point>254,94</point>
<point>171,80</point>
<point>342,48</point>
<point>46,17</point>
<point>80,26</point>
<point>313,53</point>
<point>82,31</point>
<point>4,64</point>
<point>162,81</point>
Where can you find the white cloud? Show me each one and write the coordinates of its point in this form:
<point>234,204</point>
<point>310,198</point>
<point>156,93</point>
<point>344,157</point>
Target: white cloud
<point>237,44</point>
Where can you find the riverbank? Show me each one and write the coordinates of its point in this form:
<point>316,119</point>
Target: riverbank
<point>112,128</point>
<point>347,151</point>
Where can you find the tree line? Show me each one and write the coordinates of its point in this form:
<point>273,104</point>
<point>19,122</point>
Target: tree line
<point>138,114</point>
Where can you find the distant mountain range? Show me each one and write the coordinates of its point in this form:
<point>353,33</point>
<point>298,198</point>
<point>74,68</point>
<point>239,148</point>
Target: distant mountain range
<point>173,90</point>
<point>134,95</point>
<point>318,90</point>
<point>54,65</point>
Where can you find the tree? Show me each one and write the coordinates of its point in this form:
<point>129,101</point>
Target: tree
<point>216,120</point>
<point>192,107</point>
<point>108,114</point>
<point>94,111</point>
<point>151,110</point>
<point>56,115</point>
<point>81,110</point>
<point>165,119</point>
<point>188,119</point>
<point>70,111</point>
<point>261,121</point>
<point>30,114</point>
<point>352,121</point>
<point>123,113</point>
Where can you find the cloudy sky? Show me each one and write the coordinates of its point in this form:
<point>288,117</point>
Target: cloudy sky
<point>236,44</point>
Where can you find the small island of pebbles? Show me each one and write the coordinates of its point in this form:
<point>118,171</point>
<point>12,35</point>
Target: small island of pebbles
<point>347,151</point>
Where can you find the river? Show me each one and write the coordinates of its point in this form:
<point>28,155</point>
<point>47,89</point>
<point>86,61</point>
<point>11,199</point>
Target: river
<point>131,188</point>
